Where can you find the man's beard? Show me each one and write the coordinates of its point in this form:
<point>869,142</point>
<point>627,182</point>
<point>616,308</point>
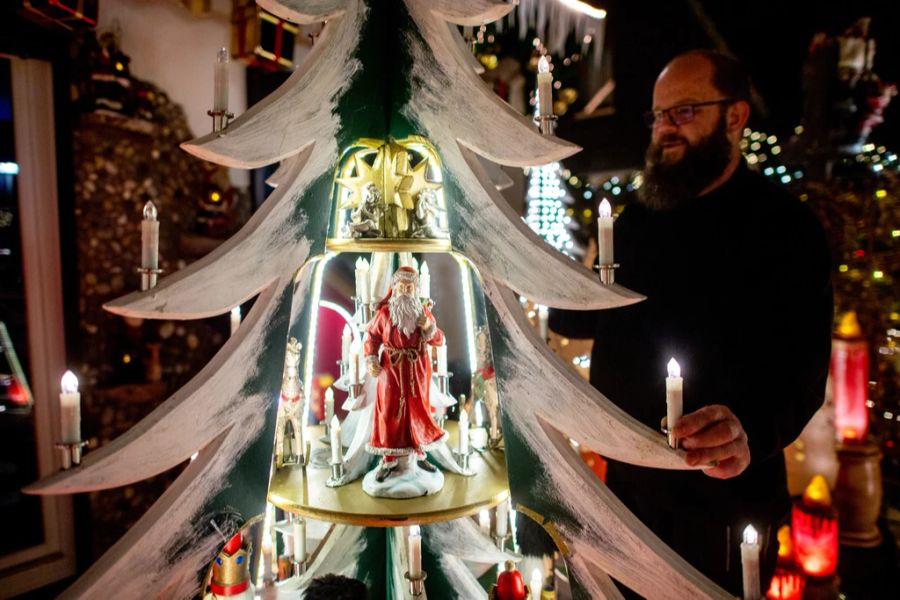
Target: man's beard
<point>668,185</point>
<point>405,312</point>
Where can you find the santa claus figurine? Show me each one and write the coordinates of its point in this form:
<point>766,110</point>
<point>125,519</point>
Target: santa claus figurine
<point>402,329</point>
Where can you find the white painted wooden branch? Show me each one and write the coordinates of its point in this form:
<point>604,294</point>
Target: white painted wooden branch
<point>464,50</point>
<point>470,12</point>
<point>446,93</point>
<point>338,554</point>
<point>609,536</point>
<point>491,234</point>
<point>463,539</point>
<point>541,385</point>
<point>302,111</point>
<point>306,12</point>
<point>188,420</point>
<point>496,173</point>
<point>265,249</point>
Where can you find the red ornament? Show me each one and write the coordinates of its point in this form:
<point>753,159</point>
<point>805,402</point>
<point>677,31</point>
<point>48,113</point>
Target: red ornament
<point>510,584</point>
<point>814,528</point>
<point>850,378</point>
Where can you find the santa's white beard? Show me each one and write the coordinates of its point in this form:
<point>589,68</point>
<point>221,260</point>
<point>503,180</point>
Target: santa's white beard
<point>405,311</point>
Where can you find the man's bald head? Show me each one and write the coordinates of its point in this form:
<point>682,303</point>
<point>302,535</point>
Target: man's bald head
<point>726,74</point>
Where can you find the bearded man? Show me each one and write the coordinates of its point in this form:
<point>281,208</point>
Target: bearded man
<point>737,277</point>
<point>403,329</point>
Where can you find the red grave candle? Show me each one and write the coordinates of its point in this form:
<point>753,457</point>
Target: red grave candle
<point>850,381</point>
<point>814,528</point>
<point>788,581</point>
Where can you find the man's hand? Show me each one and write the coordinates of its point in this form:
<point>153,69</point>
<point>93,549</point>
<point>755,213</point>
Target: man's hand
<point>713,436</point>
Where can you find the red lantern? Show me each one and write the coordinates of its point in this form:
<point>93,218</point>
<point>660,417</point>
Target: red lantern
<point>850,380</point>
<point>788,581</point>
<point>814,527</point>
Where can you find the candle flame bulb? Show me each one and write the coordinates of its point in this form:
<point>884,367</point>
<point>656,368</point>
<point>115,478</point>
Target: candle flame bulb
<point>414,531</point>
<point>605,209</point>
<point>329,394</point>
<point>817,492</point>
<point>236,312</point>
<point>479,415</point>
<point>543,65</point>
<point>222,56</point>
<point>750,535</point>
<point>69,383</point>
<point>674,368</point>
<point>362,264</point>
<point>424,269</point>
<point>150,211</point>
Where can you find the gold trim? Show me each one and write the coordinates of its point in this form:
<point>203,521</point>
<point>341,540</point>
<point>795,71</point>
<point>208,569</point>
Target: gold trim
<point>303,492</point>
<point>388,245</point>
<point>548,526</point>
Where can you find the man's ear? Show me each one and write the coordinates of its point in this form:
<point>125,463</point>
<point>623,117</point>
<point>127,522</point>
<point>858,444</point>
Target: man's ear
<point>737,116</point>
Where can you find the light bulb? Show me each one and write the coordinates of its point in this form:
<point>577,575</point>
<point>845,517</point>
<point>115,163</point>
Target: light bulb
<point>69,383</point>
<point>750,535</point>
<point>674,368</point>
<point>605,208</point>
<point>543,65</point>
<point>150,212</point>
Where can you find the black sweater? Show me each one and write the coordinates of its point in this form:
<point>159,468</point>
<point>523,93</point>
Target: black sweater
<point>738,291</point>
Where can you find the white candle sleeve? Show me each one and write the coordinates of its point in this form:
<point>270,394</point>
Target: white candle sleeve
<point>484,522</point>
<point>150,238</point>
<point>605,234</point>
<point>463,431</point>
<point>674,399</point>
<point>415,552</point>
<point>336,450</point>
<point>425,281</point>
<point>329,404</point>
<point>346,340</point>
<point>545,88</point>
<point>299,529</point>
<point>70,410</point>
<point>220,81</point>
<point>442,359</point>
<point>502,518</point>
<point>750,564</point>
<point>536,584</point>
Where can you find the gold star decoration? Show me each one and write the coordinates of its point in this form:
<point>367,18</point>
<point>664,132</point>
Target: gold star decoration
<point>365,174</point>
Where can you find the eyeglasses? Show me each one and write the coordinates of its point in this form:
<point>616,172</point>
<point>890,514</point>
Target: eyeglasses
<point>681,114</point>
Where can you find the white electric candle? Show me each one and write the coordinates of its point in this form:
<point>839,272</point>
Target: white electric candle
<point>463,431</point>
<point>346,340</point>
<point>235,319</point>
<point>605,233</point>
<point>298,527</point>
<point>484,522</point>
<point>355,362</point>
<point>267,554</point>
<point>70,409</point>
<point>442,359</point>
<point>329,404</point>
<point>336,450</point>
<point>536,584</point>
<point>543,321</point>
<point>545,88</point>
<point>415,552</point>
<point>150,237</point>
<point>502,518</point>
<point>362,280</point>
<point>424,281</point>
<point>750,563</point>
<point>220,81</point>
<point>674,388</point>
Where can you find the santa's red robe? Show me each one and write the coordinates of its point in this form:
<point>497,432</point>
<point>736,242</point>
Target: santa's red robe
<point>403,421</point>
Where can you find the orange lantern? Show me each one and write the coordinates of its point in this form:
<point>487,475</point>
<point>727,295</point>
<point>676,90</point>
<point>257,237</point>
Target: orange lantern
<point>814,528</point>
<point>788,581</point>
<point>850,380</point>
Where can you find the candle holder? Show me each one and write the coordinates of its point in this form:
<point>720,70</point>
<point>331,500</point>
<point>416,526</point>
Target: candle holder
<point>220,118</point>
<point>462,459</point>
<point>416,584</point>
<point>673,442</point>
<point>546,123</point>
<point>148,277</point>
<point>71,454</point>
<point>355,389</point>
<point>500,540</point>
<point>444,383</point>
<point>608,273</point>
<point>337,474</point>
<point>494,443</point>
